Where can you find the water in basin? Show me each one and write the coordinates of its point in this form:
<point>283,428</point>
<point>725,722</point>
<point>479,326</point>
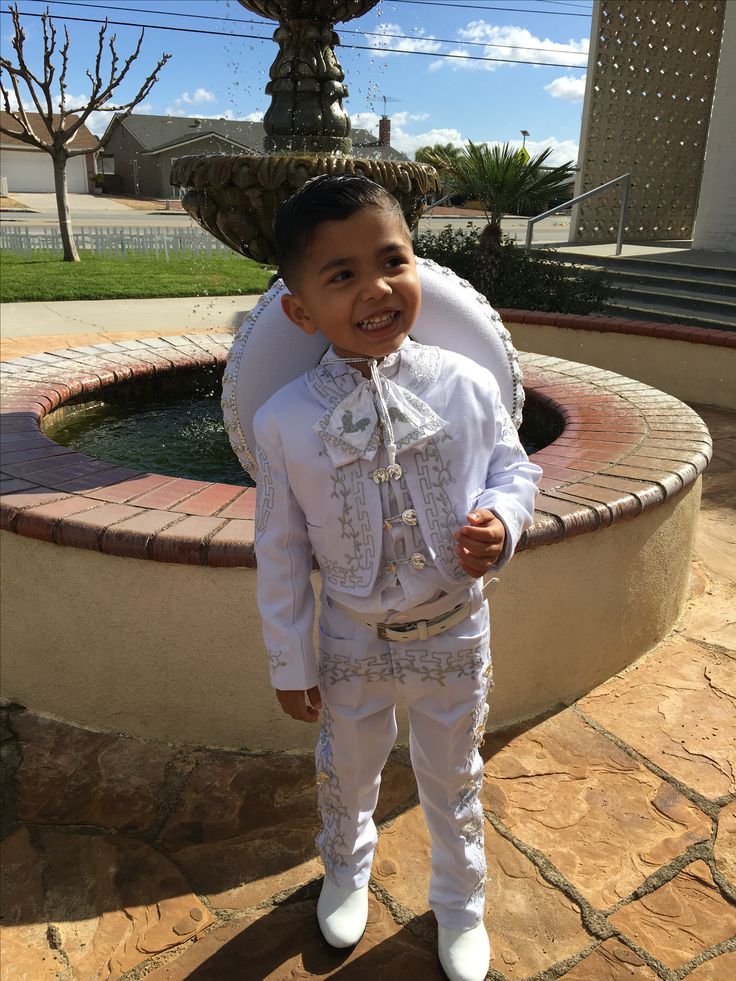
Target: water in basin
<point>173,425</point>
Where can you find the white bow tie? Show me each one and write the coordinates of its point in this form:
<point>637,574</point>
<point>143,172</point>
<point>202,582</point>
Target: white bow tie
<point>352,430</point>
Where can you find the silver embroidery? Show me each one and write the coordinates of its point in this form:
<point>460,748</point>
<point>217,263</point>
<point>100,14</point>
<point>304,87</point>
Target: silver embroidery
<point>477,896</point>
<point>355,569</point>
<point>468,811</point>
<point>426,665</point>
<point>424,365</point>
<point>264,494</point>
<point>343,444</point>
<point>331,840</point>
<point>468,793</point>
<point>472,830</point>
<point>435,473</point>
<point>276,660</point>
<point>233,425</point>
<point>331,383</point>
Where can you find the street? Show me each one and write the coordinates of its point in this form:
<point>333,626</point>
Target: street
<point>92,211</point>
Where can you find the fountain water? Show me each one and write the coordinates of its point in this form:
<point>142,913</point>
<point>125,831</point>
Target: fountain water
<point>235,197</point>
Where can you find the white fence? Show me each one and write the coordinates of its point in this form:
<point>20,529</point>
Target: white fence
<point>159,242</point>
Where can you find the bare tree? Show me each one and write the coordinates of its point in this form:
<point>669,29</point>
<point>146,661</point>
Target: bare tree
<point>62,126</point>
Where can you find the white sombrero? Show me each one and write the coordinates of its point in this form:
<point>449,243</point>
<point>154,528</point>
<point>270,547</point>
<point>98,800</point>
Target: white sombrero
<point>453,316</point>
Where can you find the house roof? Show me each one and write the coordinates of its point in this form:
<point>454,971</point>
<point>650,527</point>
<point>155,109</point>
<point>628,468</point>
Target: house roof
<point>157,133</point>
<point>82,138</point>
<point>369,147</point>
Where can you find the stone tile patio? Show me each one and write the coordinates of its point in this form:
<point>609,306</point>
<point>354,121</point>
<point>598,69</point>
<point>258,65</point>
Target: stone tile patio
<point>610,833</point>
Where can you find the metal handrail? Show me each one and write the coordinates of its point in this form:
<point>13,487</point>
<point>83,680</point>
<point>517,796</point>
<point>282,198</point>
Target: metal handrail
<point>436,204</point>
<point>626,178</point>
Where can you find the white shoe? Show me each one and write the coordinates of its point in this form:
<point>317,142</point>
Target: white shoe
<point>465,955</point>
<point>342,913</point>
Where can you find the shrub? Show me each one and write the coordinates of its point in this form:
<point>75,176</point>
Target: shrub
<point>527,279</point>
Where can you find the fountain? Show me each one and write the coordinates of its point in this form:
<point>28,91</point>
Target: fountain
<point>156,558</point>
<point>235,197</point>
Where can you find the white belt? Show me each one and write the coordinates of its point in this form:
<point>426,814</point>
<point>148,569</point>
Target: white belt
<point>418,629</point>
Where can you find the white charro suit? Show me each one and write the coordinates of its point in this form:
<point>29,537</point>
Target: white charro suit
<point>386,552</point>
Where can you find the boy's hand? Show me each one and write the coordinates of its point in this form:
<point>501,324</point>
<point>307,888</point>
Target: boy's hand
<point>480,542</point>
<point>292,702</point>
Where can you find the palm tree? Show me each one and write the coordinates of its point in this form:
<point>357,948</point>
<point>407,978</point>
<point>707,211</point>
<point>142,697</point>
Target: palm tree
<point>434,155</point>
<point>504,183</point>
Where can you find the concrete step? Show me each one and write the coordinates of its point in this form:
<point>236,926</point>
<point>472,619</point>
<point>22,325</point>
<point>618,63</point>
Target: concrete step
<point>648,309</point>
<point>678,300</point>
<point>667,291</point>
<point>720,275</point>
<point>718,287</point>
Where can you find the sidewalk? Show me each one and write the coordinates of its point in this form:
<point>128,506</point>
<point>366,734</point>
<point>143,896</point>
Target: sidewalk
<point>610,825</point>
<point>31,328</point>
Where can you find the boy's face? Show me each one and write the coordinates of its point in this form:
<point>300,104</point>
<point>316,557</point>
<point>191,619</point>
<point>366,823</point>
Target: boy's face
<point>358,285</point>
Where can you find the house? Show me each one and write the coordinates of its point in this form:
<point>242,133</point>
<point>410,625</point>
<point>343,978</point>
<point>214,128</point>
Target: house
<point>29,169</point>
<point>139,149</point>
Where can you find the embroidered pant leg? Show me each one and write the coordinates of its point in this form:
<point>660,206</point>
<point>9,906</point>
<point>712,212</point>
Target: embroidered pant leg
<point>446,695</point>
<point>358,731</point>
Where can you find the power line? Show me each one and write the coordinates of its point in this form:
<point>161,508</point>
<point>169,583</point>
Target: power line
<point>243,20</point>
<point>569,3</point>
<point>477,6</point>
<point>261,37</point>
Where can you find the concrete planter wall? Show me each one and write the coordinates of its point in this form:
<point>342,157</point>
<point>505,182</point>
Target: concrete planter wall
<point>129,598</point>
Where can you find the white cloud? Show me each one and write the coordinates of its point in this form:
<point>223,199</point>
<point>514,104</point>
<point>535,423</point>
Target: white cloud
<point>520,44</point>
<point>567,87</point>
<point>180,111</point>
<point>183,106</point>
<point>254,117</point>
<point>409,142</point>
<point>196,98</point>
<point>402,118</point>
<point>390,45</point>
<point>563,151</point>
<point>401,139</point>
<point>97,121</point>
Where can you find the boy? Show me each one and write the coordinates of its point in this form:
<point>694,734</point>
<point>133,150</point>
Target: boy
<point>396,464</point>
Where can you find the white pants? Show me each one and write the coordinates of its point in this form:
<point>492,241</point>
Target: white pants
<point>444,682</point>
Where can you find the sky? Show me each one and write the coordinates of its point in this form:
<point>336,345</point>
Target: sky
<point>430,98</point>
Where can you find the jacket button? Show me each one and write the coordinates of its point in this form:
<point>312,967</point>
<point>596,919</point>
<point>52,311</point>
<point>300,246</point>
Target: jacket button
<point>395,471</point>
<point>380,475</point>
<point>409,517</point>
<point>418,560</point>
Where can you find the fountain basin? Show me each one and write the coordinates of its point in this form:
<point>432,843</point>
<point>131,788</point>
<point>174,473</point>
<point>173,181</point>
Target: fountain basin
<point>236,197</point>
<point>130,597</point>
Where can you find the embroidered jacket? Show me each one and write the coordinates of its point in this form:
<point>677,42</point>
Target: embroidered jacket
<point>460,451</point>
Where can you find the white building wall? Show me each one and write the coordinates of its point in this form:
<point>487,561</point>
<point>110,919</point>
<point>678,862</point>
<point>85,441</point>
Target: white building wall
<point>33,170</point>
<point>715,222</point>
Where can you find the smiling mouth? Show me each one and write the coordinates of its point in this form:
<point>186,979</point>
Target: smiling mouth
<point>380,322</point>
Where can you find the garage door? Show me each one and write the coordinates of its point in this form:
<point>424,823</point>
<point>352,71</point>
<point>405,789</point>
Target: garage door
<point>32,170</point>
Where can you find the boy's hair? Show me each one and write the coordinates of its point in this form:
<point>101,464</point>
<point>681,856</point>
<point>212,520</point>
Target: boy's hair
<point>325,198</point>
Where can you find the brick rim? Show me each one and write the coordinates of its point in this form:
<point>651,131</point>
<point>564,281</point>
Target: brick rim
<point>622,325</point>
<point>626,448</point>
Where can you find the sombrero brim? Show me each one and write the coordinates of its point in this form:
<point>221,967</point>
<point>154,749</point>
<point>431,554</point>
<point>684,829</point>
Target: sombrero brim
<point>269,351</point>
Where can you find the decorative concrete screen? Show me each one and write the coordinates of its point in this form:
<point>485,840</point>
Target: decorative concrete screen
<point>648,100</point>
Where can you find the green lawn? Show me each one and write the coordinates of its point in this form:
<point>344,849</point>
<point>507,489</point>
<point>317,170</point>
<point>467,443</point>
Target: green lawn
<point>26,276</point>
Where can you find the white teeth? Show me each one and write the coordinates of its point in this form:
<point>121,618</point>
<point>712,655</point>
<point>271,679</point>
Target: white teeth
<point>378,322</point>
